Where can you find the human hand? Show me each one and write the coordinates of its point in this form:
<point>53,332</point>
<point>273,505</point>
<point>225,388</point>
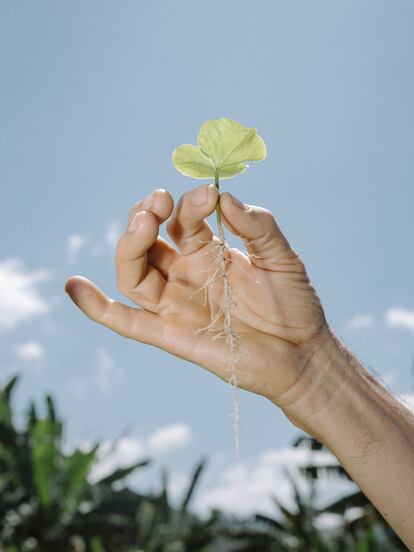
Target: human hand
<point>278,315</point>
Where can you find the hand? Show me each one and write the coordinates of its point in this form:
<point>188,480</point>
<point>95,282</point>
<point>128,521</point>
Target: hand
<point>278,315</point>
<point>292,356</point>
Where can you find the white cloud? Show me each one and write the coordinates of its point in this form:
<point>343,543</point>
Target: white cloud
<point>400,318</point>
<point>112,234</point>
<point>116,454</point>
<point>74,244</point>
<point>169,437</point>
<point>238,489</point>
<point>107,374</point>
<point>127,450</point>
<point>20,299</point>
<point>360,321</point>
<point>108,241</point>
<point>30,351</point>
<point>246,488</point>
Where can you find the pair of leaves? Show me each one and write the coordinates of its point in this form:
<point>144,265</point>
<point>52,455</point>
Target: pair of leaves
<point>223,148</point>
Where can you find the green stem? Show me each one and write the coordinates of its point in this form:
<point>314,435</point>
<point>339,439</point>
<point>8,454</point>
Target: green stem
<point>218,209</point>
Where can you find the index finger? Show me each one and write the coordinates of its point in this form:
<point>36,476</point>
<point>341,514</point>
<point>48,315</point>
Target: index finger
<point>137,279</point>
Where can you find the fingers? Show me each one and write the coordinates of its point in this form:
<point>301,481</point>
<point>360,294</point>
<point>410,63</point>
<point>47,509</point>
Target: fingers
<point>187,227</point>
<point>158,202</point>
<point>161,255</point>
<point>138,280</point>
<point>266,245</point>
<point>127,321</point>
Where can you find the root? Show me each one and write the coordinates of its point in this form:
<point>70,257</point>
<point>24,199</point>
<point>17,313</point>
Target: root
<point>224,317</point>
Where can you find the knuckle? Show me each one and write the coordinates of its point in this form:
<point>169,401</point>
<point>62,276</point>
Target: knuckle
<point>263,217</point>
<point>268,219</point>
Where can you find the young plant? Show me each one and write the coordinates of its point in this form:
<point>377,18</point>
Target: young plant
<point>223,148</point>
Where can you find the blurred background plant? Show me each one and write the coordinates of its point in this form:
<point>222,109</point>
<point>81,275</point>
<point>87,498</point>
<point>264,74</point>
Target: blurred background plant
<point>48,503</point>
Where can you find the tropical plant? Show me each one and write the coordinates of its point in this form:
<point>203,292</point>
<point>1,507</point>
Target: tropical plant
<point>48,504</point>
<point>176,529</point>
<point>46,501</point>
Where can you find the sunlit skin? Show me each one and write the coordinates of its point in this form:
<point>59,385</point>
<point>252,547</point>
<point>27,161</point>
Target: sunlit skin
<point>292,356</point>
<point>278,314</point>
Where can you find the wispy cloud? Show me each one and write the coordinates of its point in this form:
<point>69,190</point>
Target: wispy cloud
<point>361,321</point>
<point>107,373</point>
<point>397,317</point>
<point>113,231</point>
<point>74,244</point>
<point>109,240</point>
<point>20,298</point>
<point>168,438</point>
<point>30,351</point>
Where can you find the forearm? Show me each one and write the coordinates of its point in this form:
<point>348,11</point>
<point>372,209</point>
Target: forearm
<point>370,432</point>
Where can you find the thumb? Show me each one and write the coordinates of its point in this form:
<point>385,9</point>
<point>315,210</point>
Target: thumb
<point>127,321</point>
<point>267,247</point>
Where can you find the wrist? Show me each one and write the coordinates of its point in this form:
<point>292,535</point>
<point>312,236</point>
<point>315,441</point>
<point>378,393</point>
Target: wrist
<point>368,429</point>
<point>336,396</point>
<point>325,364</point>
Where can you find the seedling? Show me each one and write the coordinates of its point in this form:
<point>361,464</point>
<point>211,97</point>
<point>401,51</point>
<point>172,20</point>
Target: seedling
<point>223,148</point>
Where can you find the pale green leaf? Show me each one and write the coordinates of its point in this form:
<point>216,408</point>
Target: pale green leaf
<point>191,161</point>
<point>224,147</point>
<point>231,170</point>
<point>227,142</point>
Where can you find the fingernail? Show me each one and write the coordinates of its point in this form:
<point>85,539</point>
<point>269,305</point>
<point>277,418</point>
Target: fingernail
<point>237,203</point>
<point>148,201</point>
<point>136,222</point>
<point>200,196</point>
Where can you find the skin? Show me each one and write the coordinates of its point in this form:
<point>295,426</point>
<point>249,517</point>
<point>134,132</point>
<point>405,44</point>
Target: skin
<point>291,355</point>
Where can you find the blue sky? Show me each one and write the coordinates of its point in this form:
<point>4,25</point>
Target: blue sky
<point>93,99</point>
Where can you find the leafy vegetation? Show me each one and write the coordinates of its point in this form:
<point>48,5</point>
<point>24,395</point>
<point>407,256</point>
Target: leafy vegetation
<point>47,503</point>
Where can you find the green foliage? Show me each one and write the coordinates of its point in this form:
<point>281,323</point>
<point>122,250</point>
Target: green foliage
<point>224,147</point>
<point>46,501</point>
<point>47,504</point>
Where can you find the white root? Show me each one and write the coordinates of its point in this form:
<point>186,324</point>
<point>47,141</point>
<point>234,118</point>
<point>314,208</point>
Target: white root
<point>224,316</point>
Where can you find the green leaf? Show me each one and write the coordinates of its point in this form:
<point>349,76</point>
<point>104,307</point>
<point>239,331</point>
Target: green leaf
<point>227,142</point>
<point>224,147</point>
<point>97,545</point>
<point>193,483</point>
<point>5,396</point>
<point>46,436</point>
<point>191,161</point>
<point>76,468</point>
<point>121,473</point>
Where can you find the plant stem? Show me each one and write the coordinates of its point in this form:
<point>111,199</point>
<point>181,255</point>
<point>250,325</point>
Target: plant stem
<point>218,209</point>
